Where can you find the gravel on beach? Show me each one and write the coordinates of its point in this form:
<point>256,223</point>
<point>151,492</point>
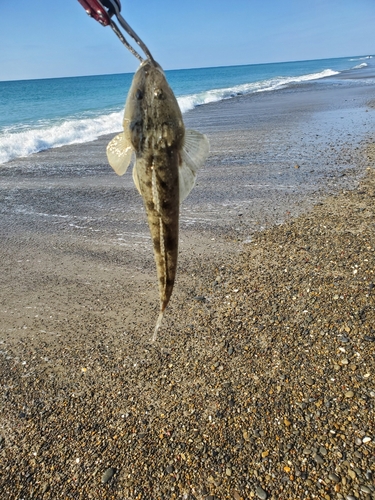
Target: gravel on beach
<point>261,382</point>
<point>260,385</point>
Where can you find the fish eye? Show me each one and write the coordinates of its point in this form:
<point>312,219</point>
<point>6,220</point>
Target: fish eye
<point>139,95</point>
<point>158,93</point>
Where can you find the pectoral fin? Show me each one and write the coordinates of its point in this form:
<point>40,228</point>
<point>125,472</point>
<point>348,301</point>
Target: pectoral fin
<point>119,154</point>
<point>194,154</point>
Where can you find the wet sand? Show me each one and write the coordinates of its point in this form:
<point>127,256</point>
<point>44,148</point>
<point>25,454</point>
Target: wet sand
<point>261,383</point>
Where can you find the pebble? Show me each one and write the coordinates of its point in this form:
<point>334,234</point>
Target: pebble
<point>261,493</point>
<point>45,488</point>
<point>318,459</point>
<point>366,439</point>
<point>352,474</point>
<point>365,488</point>
<point>344,340</point>
<point>334,477</point>
<point>200,298</point>
<point>349,394</point>
<point>108,475</point>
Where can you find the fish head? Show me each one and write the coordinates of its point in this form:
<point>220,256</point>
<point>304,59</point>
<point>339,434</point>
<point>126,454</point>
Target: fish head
<point>152,114</point>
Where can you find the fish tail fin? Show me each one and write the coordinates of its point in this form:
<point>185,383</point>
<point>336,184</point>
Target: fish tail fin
<point>158,323</point>
<point>163,305</point>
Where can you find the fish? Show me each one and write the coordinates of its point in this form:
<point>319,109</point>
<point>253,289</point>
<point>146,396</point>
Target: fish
<point>167,158</point>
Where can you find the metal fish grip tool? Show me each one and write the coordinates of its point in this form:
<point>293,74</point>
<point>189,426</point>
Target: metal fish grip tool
<point>103,11</point>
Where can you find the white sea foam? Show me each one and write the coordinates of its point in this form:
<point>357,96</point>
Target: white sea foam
<point>20,143</point>
<point>361,58</point>
<point>190,101</point>
<point>359,66</point>
<point>73,131</point>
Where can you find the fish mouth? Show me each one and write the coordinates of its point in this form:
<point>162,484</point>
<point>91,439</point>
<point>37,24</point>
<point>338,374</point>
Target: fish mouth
<point>151,63</point>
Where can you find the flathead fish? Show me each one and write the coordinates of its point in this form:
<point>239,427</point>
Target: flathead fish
<point>167,158</point>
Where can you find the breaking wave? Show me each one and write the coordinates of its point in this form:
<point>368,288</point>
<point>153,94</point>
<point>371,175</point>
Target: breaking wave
<point>191,101</point>
<point>71,131</point>
<point>359,66</point>
<point>361,58</point>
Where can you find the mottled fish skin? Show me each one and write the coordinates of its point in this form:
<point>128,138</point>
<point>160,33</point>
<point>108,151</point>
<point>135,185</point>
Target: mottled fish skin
<point>154,125</point>
<point>166,164</point>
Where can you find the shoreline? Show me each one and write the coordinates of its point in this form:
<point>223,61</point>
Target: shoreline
<point>257,141</point>
<point>261,382</point>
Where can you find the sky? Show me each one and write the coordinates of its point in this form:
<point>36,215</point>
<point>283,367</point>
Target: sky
<point>48,39</point>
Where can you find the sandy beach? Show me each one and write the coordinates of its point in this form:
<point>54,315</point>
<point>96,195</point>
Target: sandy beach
<point>261,382</point>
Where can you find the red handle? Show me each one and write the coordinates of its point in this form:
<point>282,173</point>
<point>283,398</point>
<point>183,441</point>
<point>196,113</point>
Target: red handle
<point>96,10</point>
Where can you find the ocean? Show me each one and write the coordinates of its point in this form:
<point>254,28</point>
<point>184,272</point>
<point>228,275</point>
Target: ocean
<point>36,115</point>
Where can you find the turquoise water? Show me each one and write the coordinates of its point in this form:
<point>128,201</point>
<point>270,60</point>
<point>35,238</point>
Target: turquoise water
<point>41,114</point>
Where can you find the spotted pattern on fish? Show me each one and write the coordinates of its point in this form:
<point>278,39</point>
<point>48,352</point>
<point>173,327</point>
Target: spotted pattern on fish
<point>167,159</point>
